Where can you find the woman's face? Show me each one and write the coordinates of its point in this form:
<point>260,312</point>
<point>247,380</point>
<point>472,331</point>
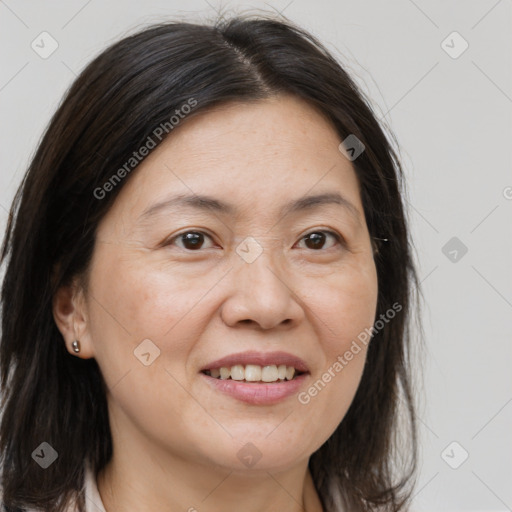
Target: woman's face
<point>254,275</point>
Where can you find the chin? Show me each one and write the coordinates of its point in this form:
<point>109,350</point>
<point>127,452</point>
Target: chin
<point>260,452</point>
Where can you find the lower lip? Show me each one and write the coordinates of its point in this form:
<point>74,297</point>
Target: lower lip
<point>256,393</point>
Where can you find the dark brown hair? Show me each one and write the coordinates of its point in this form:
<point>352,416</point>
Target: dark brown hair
<point>110,110</point>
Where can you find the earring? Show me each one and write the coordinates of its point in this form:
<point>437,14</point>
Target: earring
<point>377,245</point>
<point>76,346</point>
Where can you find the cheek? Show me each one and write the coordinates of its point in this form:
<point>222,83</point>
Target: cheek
<point>346,304</point>
<point>133,305</point>
<point>144,300</point>
<point>344,308</point>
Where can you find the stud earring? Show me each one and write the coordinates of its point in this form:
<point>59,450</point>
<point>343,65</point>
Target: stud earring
<point>377,244</point>
<point>76,346</point>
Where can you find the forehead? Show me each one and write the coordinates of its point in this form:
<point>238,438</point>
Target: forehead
<point>254,156</point>
<point>276,124</point>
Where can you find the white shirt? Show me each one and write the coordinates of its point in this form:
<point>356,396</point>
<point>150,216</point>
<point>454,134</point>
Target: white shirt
<point>93,501</point>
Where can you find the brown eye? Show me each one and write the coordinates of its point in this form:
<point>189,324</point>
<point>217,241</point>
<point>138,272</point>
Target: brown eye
<point>191,240</point>
<point>317,239</point>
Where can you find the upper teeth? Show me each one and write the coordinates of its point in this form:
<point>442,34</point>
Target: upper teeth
<point>254,372</point>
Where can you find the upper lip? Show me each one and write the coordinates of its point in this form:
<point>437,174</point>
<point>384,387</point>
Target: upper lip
<point>258,358</point>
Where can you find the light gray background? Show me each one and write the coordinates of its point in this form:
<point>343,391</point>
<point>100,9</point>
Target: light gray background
<point>452,119</point>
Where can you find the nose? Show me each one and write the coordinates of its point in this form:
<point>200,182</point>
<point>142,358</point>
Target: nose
<point>261,295</point>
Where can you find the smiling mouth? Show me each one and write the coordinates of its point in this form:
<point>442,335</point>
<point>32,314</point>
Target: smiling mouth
<point>255,374</point>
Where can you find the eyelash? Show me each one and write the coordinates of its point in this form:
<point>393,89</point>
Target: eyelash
<point>334,234</point>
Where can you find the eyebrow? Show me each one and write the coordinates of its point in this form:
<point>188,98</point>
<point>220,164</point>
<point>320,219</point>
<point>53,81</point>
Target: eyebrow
<point>205,203</point>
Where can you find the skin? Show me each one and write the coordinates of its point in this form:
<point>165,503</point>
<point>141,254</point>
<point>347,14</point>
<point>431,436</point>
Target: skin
<point>175,438</point>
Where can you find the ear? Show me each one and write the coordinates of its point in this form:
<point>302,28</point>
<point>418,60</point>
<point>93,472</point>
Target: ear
<point>70,315</point>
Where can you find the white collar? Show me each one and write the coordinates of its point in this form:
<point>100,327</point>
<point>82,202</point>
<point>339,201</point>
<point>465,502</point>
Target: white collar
<point>93,501</point>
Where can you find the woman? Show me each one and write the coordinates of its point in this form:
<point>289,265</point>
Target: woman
<point>207,287</point>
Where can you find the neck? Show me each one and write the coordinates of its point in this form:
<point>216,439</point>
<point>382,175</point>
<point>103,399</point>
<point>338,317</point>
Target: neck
<point>150,482</point>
